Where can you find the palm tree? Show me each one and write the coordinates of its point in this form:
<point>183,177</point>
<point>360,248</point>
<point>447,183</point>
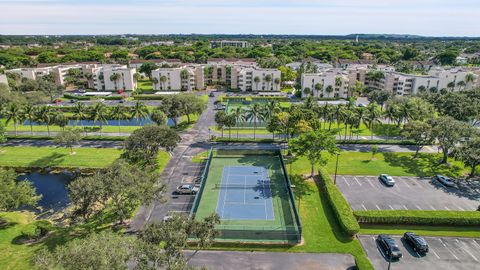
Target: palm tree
<point>268,79</point>
<point>433,90</point>
<point>119,112</point>
<point>451,86</point>
<point>163,79</point>
<point>155,82</point>
<point>45,115</point>
<point>99,112</point>
<point>184,76</point>
<point>422,89</point>
<point>239,117</point>
<point>59,119</point>
<point>158,116</point>
<point>139,111</point>
<point>80,113</point>
<point>329,90</point>
<point>461,85</point>
<point>254,114</point>
<point>277,83</point>
<point>29,112</point>
<point>470,78</point>
<point>256,80</point>
<point>318,87</point>
<point>14,113</point>
<point>114,78</point>
<point>373,113</point>
<point>307,91</point>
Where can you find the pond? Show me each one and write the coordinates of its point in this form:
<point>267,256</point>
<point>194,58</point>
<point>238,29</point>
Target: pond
<point>116,123</point>
<point>52,187</point>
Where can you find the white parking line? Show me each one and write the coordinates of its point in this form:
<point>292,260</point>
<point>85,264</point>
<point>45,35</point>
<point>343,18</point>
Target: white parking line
<point>466,250</point>
<point>434,253</point>
<point>405,182</point>
<point>377,207</point>
<point>179,211</point>
<point>346,181</point>
<point>390,206</point>
<point>369,181</point>
<point>447,208</point>
<point>433,208</point>
<point>417,206</point>
<point>404,206</point>
<point>448,249</point>
<point>459,207</point>
<point>357,180</point>
<point>475,243</point>
<point>185,203</point>
<point>364,208</point>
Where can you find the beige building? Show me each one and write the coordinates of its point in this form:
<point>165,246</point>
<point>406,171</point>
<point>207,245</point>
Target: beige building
<point>330,83</point>
<point>137,63</point>
<point>186,78</point>
<point>3,79</point>
<point>228,43</point>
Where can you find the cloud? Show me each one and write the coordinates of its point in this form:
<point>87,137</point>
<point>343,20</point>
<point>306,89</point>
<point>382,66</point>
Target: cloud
<point>425,17</point>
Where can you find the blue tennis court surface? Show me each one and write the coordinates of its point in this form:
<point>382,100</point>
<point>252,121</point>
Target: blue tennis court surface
<point>245,193</point>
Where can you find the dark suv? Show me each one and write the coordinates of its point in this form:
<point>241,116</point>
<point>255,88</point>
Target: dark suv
<point>418,243</point>
<point>389,247</point>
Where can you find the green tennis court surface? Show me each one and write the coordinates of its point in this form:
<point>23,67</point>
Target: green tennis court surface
<point>249,190</point>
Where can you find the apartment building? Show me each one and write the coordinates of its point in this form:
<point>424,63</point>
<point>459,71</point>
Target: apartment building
<point>232,61</point>
<point>3,79</point>
<point>228,43</point>
<point>330,83</point>
<point>186,78</point>
<point>258,79</point>
<point>31,73</point>
<point>137,63</point>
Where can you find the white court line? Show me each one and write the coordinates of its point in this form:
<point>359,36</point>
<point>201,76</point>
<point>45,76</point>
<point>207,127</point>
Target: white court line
<point>377,207</point>
<point>346,181</point>
<point>357,180</point>
<point>434,253</point>
<point>244,190</point>
<point>225,194</point>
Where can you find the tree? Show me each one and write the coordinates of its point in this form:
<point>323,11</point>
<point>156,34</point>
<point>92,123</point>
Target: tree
<point>139,111</point>
<point>379,96</point>
<point>13,113</point>
<point>143,144</point>
<point>99,113</point>
<point>119,113</point>
<point>448,132</point>
<point>307,91</point>
<point>469,153</point>
<point>69,138</point>
<point>329,90</point>
<point>447,57</point>
<point>268,79</point>
<point>163,79</point>
<point>158,117</point>
<point>372,115</point>
<point>374,150</point>
<point>114,78</point>
<point>147,68</point>
<point>287,73</point>
<point>256,80</point>
<point>318,87</point>
<point>239,117</point>
<point>29,113</point>
<point>191,104</point>
<point>230,121</point>
<point>14,194</point>
<point>163,243</point>
<point>220,118</point>
<point>313,145</point>
<point>45,116</point>
<point>254,114</point>
<point>102,251</point>
<point>172,106</point>
<point>85,194</point>
<point>420,133</point>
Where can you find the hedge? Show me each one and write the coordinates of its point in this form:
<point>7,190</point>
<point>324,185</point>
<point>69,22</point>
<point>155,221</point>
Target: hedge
<point>148,97</point>
<point>419,217</point>
<point>387,142</point>
<point>339,204</point>
<point>77,97</point>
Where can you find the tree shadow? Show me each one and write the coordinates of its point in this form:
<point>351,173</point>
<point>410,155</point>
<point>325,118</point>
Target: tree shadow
<point>390,130</point>
<point>48,161</point>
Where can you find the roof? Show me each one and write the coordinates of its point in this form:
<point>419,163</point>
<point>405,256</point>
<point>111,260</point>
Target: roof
<point>231,60</point>
<point>356,62</point>
<point>140,61</point>
<point>42,65</point>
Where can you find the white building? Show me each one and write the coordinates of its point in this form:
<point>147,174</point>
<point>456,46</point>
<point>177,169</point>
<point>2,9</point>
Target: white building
<point>3,79</point>
<point>258,79</point>
<point>228,43</point>
<point>102,77</point>
<point>330,83</point>
<point>137,63</point>
<point>186,78</point>
<point>31,73</point>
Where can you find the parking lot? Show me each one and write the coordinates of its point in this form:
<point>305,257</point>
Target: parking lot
<point>409,193</point>
<point>445,253</point>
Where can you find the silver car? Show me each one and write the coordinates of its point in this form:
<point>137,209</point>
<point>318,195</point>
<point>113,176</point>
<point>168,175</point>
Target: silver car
<point>187,189</point>
<point>387,180</point>
<point>445,180</point>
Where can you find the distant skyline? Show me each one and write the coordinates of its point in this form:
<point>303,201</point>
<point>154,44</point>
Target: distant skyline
<point>310,17</point>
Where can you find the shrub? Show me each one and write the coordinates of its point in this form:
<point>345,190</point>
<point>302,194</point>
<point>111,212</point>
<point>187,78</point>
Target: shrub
<point>339,204</point>
<point>36,229</point>
<point>113,98</point>
<point>419,217</point>
<point>148,97</point>
<point>69,96</point>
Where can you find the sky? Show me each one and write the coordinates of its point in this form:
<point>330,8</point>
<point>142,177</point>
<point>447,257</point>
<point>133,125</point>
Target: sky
<point>315,17</point>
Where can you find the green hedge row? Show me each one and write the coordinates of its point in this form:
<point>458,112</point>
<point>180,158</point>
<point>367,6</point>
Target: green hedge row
<point>148,97</point>
<point>419,217</point>
<point>76,97</point>
<point>389,142</point>
<point>339,204</point>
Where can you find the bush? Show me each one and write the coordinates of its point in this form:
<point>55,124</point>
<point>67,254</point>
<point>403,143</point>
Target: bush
<point>339,204</point>
<point>36,229</point>
<point>69,96</point>
<point>148,97</point>
<point>113,98</point>
<point>419,217</point>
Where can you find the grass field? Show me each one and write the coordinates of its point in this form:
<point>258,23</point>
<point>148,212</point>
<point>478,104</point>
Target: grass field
<point>396,164</point>
<point>144,85</point>
<point>57,157</point>
<point>282,210</point>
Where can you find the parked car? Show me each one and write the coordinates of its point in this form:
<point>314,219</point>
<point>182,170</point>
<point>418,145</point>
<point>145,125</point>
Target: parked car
<point>387,180</point>
<point>211,94</point>
<point>389,247</point>
<point>444,180</point>
<point>187,189</point>
<point>418,243</point>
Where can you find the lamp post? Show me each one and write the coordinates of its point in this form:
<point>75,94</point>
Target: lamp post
<point>208,134</point>
<point>336,170</point>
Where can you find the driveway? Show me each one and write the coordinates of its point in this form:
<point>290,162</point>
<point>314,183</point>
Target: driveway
<point>412,193</point>
<point>445,253</point>
<point>236,260</point>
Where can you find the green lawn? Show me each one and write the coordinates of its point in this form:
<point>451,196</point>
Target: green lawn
<point>145,85</point>
<point>57,157</point>
<point>397,164</point>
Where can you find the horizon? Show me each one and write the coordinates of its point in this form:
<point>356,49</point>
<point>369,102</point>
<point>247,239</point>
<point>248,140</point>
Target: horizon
<point>426,18</point>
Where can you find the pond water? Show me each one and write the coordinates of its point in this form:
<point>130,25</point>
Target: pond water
<point>52,187</point>
<point>129,122</point>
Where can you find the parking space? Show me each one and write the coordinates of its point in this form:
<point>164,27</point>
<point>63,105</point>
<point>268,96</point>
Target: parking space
<point>409,193</point>
<point>444,253</point>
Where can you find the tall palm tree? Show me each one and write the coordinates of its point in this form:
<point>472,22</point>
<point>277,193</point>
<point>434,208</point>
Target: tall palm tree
<point>99,112</point>
<point>139,111</point>
<point>80,113</point>
<point>318,87</point>
<point>461,85</point>
<point>29,112</point>
<point>372,115</point>
<point>277,83</point>
<point>119,113</point>
<point>451,86</point>
<point>470,78</point>
<point>13,113</point>
<point>239,113</point>
<point>59,119</point>
<point>256,80</point>
<point>163,79</point>
<point>254,114</point>
<point>184,78</point>
<point>268,79</point>
<point>45,116</point>
<point>329,90</point>
<point>155,82</point>
<point>114,78</point>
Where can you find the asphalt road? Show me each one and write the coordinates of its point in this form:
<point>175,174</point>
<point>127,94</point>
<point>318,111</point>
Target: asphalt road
<point>413,193</point>
<point>445,253</point>
<point>234,260</point>
<point>50,143</point>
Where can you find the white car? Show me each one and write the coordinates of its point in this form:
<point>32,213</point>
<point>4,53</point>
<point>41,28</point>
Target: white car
<point>187,189</point>
<point>387,180</point>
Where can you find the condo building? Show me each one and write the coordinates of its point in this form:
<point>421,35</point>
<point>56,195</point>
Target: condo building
<point>330,83</point>
<point>228,43</point>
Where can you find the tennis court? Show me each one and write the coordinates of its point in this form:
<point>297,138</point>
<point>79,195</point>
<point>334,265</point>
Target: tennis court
<point>251,193</point>
<point>245,193</point>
